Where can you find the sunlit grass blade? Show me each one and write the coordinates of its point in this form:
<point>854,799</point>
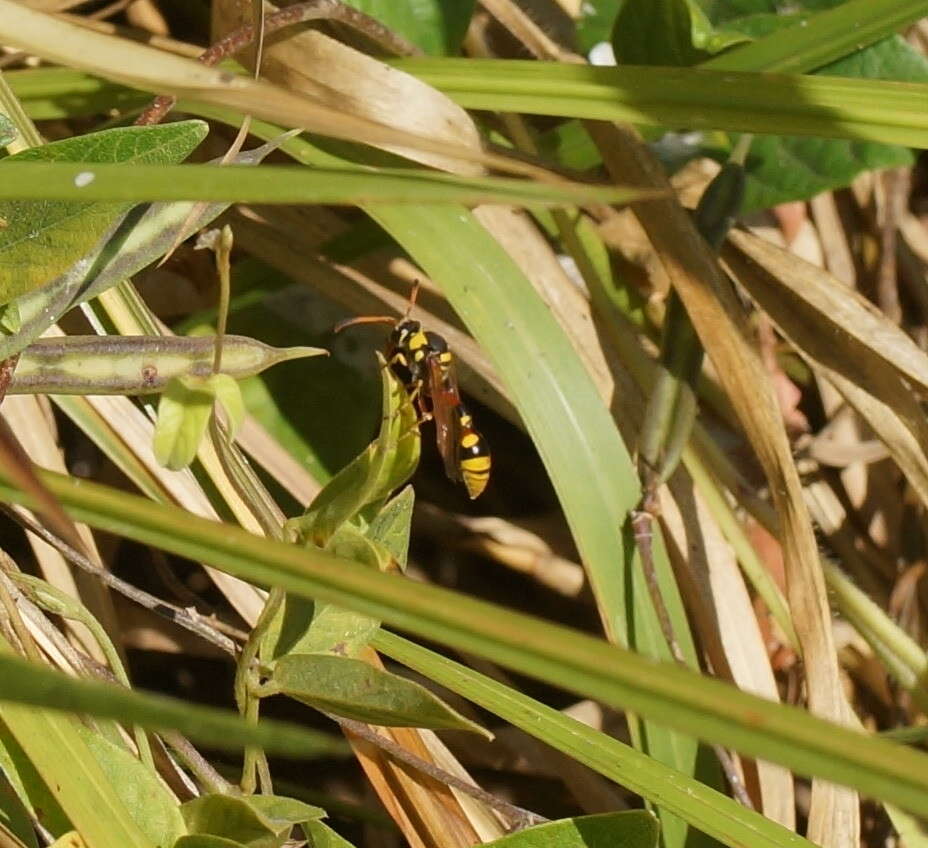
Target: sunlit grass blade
<point>281,184</point>
<point>823,38</point>
<point>700,805</point>
<point>32,684</point>
<point>663,692</point>
<point>694,98</point>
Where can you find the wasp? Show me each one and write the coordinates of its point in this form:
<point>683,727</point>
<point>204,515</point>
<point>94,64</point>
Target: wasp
<point>423,362</point>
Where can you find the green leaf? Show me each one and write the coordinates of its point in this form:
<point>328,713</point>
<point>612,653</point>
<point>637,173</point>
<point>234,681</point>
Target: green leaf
<point>354,689</point>
<point>184,411</point>
<point>595,22</point>
<point>382,467</point>
<point>320,835</point>
<point>43,238</point>
<point>227,393</point>
<point>630,829</point>
<point>303,626</point>
<point>235,819</point>
<point>283,811</point>
<point>391,526</point>
<point>785,168</point>
<point>144,796</point>
<point>143,236</point>
<point>437,26</point>
<point>667,32</point>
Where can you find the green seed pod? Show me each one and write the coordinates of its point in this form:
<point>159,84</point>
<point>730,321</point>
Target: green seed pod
<point>137,365</point>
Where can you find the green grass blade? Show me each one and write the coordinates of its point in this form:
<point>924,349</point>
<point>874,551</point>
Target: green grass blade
<point>664,692</point>
<point>696,98</point>
<point>825,37</point>
<point>54,747</point>
<point>29,683</point>
<point>282,184</point>
<point>703,807</point>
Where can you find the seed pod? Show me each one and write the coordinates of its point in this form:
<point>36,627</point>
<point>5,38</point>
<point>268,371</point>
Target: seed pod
<point>137,365</point>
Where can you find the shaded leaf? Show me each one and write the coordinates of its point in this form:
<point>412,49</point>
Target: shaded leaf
<point>391,526</point>
<point>42,239</point>
<point>437,26</point>
<point>386,464</point>
<point>630,829</point>
<point>235,819</point>
<point>667,32</point>
<point>353,689</point>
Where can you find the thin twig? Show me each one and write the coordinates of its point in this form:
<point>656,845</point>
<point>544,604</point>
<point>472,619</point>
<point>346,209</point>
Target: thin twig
<point>189,620</point>
<point>300,13</point>
<point>642,525</point>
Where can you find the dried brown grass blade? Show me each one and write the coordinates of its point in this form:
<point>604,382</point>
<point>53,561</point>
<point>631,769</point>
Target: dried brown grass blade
<point>719,319</point>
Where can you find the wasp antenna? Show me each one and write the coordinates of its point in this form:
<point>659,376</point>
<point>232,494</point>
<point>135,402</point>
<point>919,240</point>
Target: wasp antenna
<point>364,319</point>
<point>412,298</point>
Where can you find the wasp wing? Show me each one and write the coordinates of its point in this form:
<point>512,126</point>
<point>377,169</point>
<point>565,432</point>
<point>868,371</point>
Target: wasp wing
<point>443,392</point>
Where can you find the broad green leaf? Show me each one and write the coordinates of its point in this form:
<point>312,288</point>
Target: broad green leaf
<point>303,627</point>
<point>354,689</point>
<point>320,835</point>
<point>595,22</point>
<point>382,467</point>
<point>144,236</point>
<point>14,816</point>
<point>437,26</point>
<point>309,627</point>
<point>228,395</point>
<point>36,686</point>
<point>667,32</point>
<point>286,811</point>
<point>152,807</point>
<point>233,818</point>
<point>184,411</point>
<point>785,168</point>
<point>43,238</point>
<point>391,526</point>
<point>630,829</point>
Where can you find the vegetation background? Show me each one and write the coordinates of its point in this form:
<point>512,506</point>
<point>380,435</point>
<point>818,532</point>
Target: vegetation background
<point>678,249</point>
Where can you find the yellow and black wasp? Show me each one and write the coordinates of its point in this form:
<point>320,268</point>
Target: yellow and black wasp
<point>422,361</point>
